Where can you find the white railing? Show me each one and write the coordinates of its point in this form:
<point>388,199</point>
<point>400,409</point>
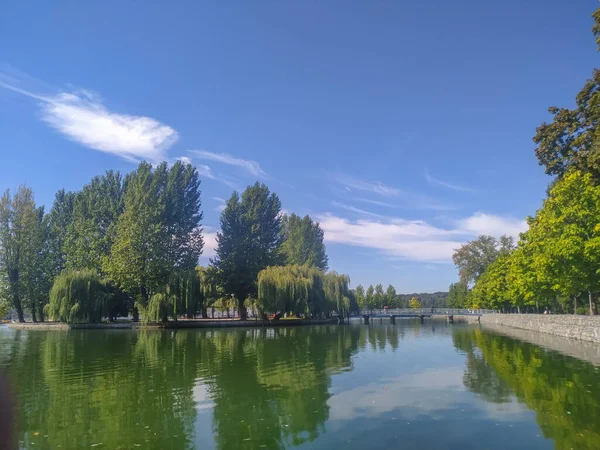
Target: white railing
<point>427,311</point>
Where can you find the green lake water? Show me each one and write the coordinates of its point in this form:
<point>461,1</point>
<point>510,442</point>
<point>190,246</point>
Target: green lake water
<point>406,386</point>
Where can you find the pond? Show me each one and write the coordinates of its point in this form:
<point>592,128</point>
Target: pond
<point>404,386</point>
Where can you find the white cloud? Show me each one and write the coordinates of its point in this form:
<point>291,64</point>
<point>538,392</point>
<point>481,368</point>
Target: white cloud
<point>82,117</point>
<point>432,181</point>
<point>481,223</point>
<point>210,242</point>
<point>415,240</point>
<point>252,167</point>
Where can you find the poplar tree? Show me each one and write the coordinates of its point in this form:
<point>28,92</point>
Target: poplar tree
<point>138,258</point>
<point>303,242</point>
<point>18,243</point>
<point>248,242</point>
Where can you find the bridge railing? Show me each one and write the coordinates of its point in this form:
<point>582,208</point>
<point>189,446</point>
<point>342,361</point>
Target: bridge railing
<point>428,311</point>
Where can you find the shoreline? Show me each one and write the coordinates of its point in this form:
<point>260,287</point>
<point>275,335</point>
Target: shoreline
<point>172,325</point>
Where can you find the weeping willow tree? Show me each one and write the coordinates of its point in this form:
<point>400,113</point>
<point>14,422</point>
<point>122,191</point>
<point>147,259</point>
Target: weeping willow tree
<point>337,293</point>
<point>209,291</point>
<point>79,296</point>
<point>301,290</point>
<point>181,295</point>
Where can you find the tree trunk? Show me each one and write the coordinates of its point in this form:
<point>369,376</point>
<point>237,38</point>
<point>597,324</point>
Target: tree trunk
<point>537,307</point>
<point>41,314</point>
<point>33,316</point>
<point>18,307</point>
<point>136,314</point>
<point>242,309</point>
<point>574,306</point>
<point>203,312</point>
<point>591,298</point>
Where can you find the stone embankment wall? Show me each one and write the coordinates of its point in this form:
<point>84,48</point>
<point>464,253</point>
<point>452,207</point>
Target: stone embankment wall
<point>584,328</point>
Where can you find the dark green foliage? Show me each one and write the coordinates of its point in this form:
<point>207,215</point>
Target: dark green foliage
<point>571,140</point>
<point>303,242</point>
<point>79,296</point>
<point>457,295</point>
<point>249,241</point>
<point>138,260</point>
<point>157,233</point>
<point>92,230</point>
<point>35,279</point>
<point>182,216</point>
<point>20,247</point>
<point>58,223</point>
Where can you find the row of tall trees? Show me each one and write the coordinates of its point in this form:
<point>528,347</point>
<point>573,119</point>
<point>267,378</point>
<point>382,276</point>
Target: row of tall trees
<point>130,245</point>
<point>557,260</point>
<point>556,263</point>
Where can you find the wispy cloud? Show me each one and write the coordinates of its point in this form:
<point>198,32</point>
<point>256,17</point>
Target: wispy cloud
<point>415,240</point>
<point>378,188</point>
<point>377,203</point>
<point>353,209</point>
<point>250,166</point>
<point>82,117</point>
<point>221,206</point>
<point>432,181</point>
<point>400,197</point>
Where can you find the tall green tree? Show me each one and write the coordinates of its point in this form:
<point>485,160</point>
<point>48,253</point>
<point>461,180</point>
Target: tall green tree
<point>19,244</point>
<point>379,296</point>
<point>370,298</point>
<point>58,223</point>
<point>566,235</point>
<point>249,241</point>
<point>390,296</point>
<point>361,300</point>
<point>182,216</point>
<point>473,258</point>
<point>138,261</point>
<point>302,242</point>
<point>93,227</point>
<point>35,278</point>
<point>457,294</point>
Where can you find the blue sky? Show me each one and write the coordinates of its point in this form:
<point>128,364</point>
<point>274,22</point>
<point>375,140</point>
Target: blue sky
<point>404,127</point>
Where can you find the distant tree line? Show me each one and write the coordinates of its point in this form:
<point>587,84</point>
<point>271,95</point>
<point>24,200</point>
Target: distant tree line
<point>130,245</point>
<point>376,298</point>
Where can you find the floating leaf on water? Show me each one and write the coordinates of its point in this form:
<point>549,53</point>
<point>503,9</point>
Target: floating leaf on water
<point>36,433</point>
<point>96,445</point>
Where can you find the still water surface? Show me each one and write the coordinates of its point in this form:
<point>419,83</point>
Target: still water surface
<point>405,386</point>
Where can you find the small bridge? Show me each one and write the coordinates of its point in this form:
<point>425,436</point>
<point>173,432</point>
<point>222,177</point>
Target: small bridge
<point>422,313</point>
